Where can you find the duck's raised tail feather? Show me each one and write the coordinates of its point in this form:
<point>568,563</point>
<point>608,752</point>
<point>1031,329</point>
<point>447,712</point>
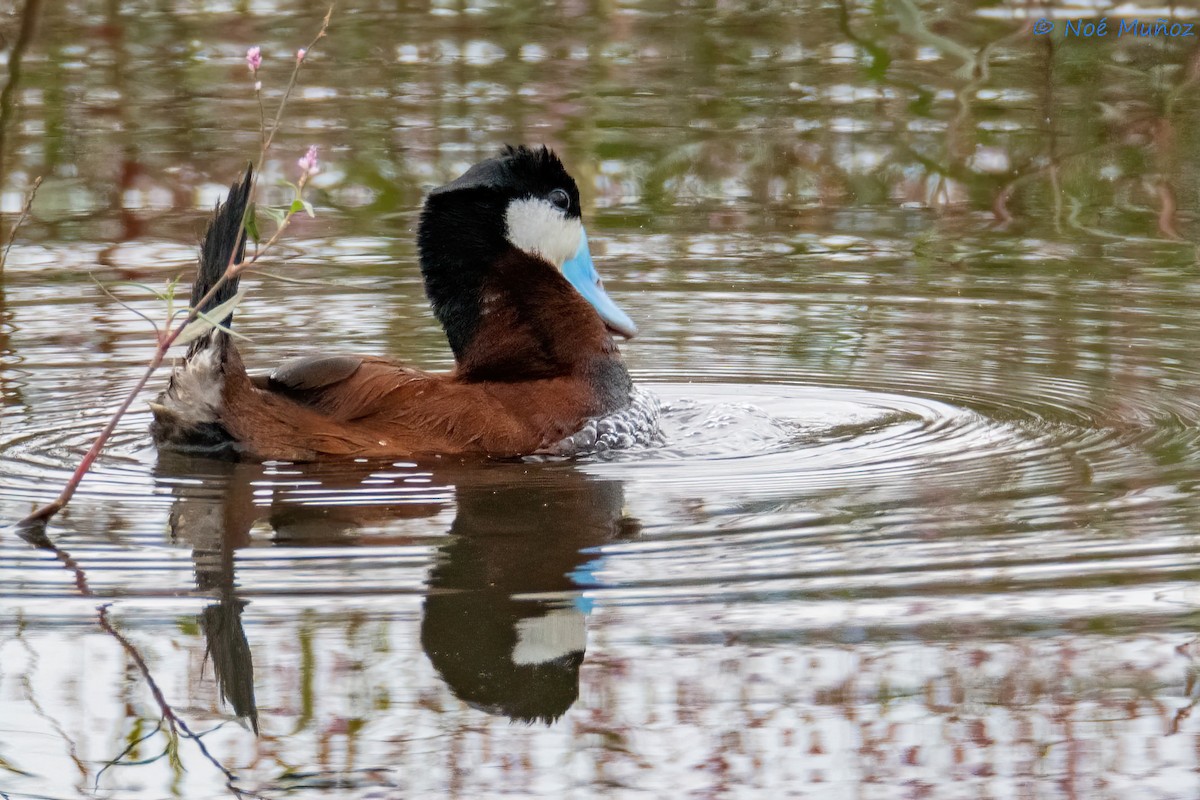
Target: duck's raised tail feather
<point>225,234</point>
<point>188,414</point>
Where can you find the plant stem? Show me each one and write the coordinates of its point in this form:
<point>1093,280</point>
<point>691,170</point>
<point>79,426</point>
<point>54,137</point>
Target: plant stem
<point>270,137</point>
<point>174,721</point>
<point>21,219</point>
<point>40,516</point>
<point>47,511</point>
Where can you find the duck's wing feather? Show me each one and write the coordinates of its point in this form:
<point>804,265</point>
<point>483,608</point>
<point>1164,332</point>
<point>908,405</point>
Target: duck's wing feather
<point>344,387</point>
<point>308,373</point>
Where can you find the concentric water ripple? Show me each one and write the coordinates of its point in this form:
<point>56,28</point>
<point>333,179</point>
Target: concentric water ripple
<point>790,489</point>
<point>780,435</point>
<point>841,443</point>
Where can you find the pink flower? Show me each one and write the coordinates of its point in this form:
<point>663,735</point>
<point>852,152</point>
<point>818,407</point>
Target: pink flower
<point>254,58</point>
<point>300,54</point>
<point>308,163</point>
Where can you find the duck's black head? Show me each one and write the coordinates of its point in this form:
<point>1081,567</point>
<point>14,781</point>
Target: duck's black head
<point>508,232</point>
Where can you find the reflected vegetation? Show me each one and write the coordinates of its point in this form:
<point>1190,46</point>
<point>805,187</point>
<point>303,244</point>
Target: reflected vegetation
<point>915,283</point>
<point>950,107</point>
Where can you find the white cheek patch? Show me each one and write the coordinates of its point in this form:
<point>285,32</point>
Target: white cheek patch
<point>542,230</point>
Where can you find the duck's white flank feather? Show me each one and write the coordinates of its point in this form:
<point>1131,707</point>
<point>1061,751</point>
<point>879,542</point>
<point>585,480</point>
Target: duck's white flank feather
<point>194,396</point>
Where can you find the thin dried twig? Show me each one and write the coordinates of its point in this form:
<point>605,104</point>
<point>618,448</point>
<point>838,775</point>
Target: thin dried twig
<point>174,721</point>
<point>291,84</point>
<point>125,305</point>
<point>21,219</point>
<point>40,516</point>
<point>176,726</point>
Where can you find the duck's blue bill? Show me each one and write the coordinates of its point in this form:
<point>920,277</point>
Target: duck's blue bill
<point>581,272</point>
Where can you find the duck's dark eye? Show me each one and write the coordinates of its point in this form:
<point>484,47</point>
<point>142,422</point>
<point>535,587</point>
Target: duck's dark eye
<point>560,199</point>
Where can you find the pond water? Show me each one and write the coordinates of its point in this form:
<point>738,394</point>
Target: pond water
<point>916,286</point>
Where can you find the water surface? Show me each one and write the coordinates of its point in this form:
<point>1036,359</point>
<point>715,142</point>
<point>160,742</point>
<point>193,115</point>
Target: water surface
<point>915,285</point>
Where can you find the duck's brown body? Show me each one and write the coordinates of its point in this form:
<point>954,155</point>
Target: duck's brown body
<point>386,409</point>
<point>534,363</point>
<point>366,406</point>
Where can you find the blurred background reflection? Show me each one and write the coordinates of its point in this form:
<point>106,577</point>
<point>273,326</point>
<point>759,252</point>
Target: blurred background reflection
<point>916,286</point>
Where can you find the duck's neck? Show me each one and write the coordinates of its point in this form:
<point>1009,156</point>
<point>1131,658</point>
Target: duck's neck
<point>530,324</point>
<point>454,265</point>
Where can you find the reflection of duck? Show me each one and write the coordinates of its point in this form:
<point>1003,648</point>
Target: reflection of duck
<point>513,535</point>
<point>508,273</point>
<point>497,651</point>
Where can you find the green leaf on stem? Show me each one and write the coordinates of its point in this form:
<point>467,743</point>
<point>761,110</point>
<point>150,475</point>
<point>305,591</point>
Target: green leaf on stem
<point>173,751</point>
<point>251,223</point>
<point>172,285</point>
<point>207,320</point>
<point>300,204</point>
<point>276,214</point>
